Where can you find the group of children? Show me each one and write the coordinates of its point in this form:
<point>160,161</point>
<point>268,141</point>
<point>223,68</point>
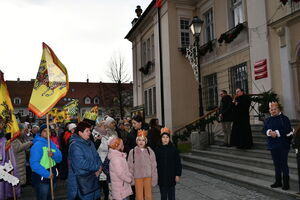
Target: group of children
<point>144,168</point>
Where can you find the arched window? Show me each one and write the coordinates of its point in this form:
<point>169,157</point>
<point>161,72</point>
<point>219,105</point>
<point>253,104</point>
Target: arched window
<point>17,101</point>
<point>96,100</point>
<point>87,100</point>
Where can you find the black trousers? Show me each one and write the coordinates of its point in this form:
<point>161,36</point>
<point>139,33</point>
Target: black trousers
<point>104,188</point>
<point>167,192</point>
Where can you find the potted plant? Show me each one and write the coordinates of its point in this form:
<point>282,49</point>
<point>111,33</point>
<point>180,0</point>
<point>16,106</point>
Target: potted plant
<point>263,100</point>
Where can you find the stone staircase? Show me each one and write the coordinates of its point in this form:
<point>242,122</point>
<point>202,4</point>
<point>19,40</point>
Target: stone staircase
<point>251,168</point>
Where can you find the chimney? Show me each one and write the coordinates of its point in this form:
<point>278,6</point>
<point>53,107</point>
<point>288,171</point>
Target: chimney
<point>18,79</point>
<point>87,79</point>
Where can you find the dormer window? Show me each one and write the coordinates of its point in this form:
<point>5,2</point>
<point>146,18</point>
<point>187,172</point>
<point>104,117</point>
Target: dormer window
<point>96,100</point>
<point>87,100</point>
<point>17,101</point>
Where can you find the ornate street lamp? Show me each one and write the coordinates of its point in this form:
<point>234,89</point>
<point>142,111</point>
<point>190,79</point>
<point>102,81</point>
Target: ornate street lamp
<point>196,27</point>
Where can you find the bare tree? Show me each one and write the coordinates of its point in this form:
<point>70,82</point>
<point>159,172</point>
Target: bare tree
<point>118,73</point>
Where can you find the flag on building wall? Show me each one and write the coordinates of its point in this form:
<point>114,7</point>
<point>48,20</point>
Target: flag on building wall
<point>158,3</point>
<point>8,121</point>
<point>51,83</point>
<point>72,107</point>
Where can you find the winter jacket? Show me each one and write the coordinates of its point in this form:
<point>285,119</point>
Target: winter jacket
<point>168,164</point>
<point>103,151</point>
<point>19,148</point>
<point>120,176</point>
<point>226,108</point>
<point>83,159</point>
<point>39,159</point>
<point>280,123</point>
<point>142,164</point>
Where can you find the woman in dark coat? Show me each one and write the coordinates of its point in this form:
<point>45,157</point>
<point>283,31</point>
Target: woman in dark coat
<point>137,124</point>
<point>279,131</point>
<point>84,159</point>
<point>169,166</point>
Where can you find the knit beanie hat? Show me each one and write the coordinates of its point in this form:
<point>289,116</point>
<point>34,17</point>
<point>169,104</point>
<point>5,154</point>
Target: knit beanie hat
<point>71,126</point>
<point>42,127</point>
<point>109,120</point>
<point>165,131</point>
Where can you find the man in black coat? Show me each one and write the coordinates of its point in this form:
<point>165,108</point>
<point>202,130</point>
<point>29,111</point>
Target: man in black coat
<point>241,135</point>
<point>226,116</point>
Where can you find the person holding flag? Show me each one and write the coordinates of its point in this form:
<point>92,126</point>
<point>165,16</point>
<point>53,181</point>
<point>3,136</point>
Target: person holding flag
<point>40,162</point>
<point>51,84</point>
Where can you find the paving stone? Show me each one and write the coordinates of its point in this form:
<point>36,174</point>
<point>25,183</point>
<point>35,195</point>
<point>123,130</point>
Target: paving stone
<point>192,186</point>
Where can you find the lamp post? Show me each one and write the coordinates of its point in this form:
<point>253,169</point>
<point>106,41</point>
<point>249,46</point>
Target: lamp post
<point>196,27</point>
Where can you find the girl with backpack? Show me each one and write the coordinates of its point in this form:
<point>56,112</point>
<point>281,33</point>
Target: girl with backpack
<point>142,164</point>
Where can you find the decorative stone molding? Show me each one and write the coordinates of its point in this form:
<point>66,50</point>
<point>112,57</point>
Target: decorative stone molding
<point>280,31</point>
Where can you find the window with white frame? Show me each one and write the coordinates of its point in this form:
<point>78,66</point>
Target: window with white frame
<point>87,100</point>
<point>184,32</point>
<point>146,102</point>
<point>211,91</point>
<point>237,12</point>
<point>152,48</point>
<point>17,100</point>
<point>144,53</point>
<point>148,50</point>
<point>150,101</point>
<point>96,100</point>
<point>209,25</point>
<point>238,78</point>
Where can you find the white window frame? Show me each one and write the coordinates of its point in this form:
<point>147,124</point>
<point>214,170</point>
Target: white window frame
<point>184,32</point>
<point>209,25</point>
<point>150,101</point>
<point>87,100</point>
<point>237,12</point>
<point>17,101</point>
<point>96,100</point>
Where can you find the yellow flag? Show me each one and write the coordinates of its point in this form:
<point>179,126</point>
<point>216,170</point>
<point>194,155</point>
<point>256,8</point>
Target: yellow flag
<point>53,112</point>
<point>8,121</point>
<point>72,107</point>
<point>92,114</point>
<point>51,83</point>
<point>60,117</point>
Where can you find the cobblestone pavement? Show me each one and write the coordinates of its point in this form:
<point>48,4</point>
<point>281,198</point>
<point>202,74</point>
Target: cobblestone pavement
<point>193,186</point>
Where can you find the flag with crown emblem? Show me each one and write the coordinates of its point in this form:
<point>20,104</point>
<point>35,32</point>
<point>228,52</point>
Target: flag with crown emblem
<point>51,83</point>
<point>8,121</point>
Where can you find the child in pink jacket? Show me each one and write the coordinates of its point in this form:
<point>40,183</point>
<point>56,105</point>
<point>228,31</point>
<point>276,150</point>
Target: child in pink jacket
<point>118,169</point>
<point>142,164</point>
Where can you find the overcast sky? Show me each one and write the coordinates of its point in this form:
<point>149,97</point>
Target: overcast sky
<point>84,34</point>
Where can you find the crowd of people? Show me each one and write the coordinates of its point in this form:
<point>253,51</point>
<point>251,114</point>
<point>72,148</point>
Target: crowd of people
<point>111,159</point>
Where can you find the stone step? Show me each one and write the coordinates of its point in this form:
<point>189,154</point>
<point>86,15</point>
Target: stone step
<point>258,185</point>
<point>242,159</point>
<point>240,169</point>
<point>255,153</point>
<point>256,144</point>
<point>256,137</point>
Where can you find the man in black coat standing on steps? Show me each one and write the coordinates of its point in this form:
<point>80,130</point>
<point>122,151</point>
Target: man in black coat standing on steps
<point>241,135</point>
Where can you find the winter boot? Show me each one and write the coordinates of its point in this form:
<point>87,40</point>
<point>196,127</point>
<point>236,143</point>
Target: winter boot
<point>286,183</point>
<point>277,183</point>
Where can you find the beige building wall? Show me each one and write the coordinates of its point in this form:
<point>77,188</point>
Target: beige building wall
<point>284,39</point>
